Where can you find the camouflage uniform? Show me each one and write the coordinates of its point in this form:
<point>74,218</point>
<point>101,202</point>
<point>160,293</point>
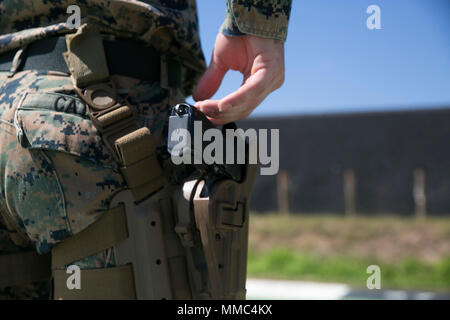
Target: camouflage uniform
<point>56,176</point>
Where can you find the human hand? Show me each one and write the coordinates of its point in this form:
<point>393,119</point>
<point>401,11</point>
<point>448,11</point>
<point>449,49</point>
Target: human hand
<point>261,62</point>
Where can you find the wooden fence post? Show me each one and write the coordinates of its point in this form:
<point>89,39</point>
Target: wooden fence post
<point>283,192</point>
<point>350,192</point>
<point>420,200</point>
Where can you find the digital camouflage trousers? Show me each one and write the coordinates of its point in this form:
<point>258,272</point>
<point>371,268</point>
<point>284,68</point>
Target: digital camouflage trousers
<point>56,175</point>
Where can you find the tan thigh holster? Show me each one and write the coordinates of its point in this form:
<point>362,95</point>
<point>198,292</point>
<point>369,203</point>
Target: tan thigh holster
<point>218,225</point>
<point>175,245</point>
<point>168,242</point>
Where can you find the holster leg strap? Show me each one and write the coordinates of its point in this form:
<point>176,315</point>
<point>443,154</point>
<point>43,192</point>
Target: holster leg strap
<point>108,283</point>
<point>131,147</point>
<point>109,230</point>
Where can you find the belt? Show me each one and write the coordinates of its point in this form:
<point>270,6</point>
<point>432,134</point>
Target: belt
<point>124,57</point>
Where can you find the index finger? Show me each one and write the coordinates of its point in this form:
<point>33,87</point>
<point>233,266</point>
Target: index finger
<point>257,87</point>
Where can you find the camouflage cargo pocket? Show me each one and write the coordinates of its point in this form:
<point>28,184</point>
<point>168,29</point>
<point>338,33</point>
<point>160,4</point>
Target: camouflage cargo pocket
<point>62,175</point>
<point>58,122</point>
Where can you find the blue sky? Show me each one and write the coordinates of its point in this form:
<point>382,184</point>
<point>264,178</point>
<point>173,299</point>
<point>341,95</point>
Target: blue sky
<point>335,64</point>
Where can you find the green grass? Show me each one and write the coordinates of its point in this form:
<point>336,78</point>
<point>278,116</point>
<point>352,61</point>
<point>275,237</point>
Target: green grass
<point>412,253</point>
<point>407,274</point>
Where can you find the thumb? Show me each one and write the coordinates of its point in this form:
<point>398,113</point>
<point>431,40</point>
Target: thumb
<point>211,80</point>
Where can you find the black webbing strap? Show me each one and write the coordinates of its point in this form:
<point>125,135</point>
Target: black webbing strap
<point>125,57</point>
